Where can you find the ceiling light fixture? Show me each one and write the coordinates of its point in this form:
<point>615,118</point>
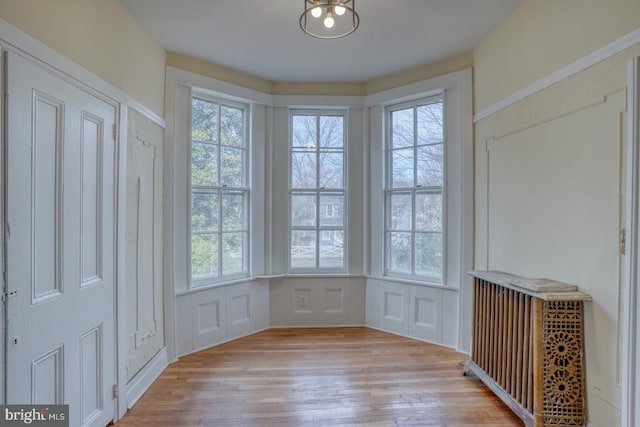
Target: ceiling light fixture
<point>339,18</point>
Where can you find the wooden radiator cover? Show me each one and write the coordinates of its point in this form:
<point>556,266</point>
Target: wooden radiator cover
<point>528,346</point>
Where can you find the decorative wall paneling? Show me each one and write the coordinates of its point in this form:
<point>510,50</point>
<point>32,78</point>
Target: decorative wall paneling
<point>412,310</point>
<point>317,301</point>
<point>208,317</point>
<point>144,272</point>
<point>550,202</point>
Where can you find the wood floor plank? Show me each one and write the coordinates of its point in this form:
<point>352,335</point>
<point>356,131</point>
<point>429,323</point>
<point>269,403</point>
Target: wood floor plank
<point>320,377</point>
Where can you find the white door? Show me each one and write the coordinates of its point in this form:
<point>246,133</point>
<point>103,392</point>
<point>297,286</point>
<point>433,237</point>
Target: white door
<point>60,250</point>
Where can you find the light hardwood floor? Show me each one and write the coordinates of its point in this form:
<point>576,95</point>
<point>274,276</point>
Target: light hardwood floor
<point>319,377</point>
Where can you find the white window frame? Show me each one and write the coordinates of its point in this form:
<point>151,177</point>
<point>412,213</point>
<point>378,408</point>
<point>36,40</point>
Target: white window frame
<point>246,188</point>
<point>413,190</point>
<point>456,88</point>
<point>317,191</point>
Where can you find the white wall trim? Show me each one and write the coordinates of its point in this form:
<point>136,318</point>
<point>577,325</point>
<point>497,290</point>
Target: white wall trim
<point>412,282</point>
<point>168,296</point>
<point>421,89</point>
<point>146,112</point>
<point>216,87</point>
<point>143,380</point>
<point>3,259</point>
<point>630,325</point>
<point>581,64</point>
<point>121,261</point>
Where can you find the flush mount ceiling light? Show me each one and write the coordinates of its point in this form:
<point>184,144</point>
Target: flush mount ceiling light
<point>329,19</point>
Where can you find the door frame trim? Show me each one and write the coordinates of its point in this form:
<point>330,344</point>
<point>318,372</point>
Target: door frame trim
<point>3,218</point>
<point>631,291</point>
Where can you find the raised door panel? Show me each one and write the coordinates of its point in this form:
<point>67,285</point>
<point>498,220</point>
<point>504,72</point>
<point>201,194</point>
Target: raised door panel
<point>60,263</point>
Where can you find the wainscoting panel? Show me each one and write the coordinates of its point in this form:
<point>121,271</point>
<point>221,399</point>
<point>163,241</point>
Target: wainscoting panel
<point>395,308</point>
<point>422,312</point>
<point>317,301</point>
<point>425,313</point>
<point>208,317</point>
<point>240,316</point>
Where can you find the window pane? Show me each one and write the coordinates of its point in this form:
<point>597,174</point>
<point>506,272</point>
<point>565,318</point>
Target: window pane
<point>429,249</point>
<point>204,255</point>
<point>204,164</point>
<point>402,128</point>
<point>204,121</point>
<point>303,210</point>
<point>304,131</point>
<point>233,256</point>
<point>331,210</point>
<point>400,212</point>
<point>332,131</point>
<point>402,168</point>
<point>429,211</point>
<point>303,249</point>
<point>233,211</point>
<point>331,170</point>
<point>204,211</point>
<point>431,165</point>
<point>430,124</point>
<point>332,248</point>
<point>231,167</point>
<point>303,170</point>
<point>231,126</point>
<point>400,252</point>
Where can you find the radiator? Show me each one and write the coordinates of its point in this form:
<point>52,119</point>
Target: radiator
<point>528,346</point>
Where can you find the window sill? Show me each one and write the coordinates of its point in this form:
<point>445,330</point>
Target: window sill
<point>268,276</point>
<point>214,285</point>
<point>405,281</point>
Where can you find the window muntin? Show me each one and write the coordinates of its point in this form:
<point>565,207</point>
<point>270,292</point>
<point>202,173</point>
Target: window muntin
<point>317,191</point>
<point>415,190</point>
<point>219,225</point>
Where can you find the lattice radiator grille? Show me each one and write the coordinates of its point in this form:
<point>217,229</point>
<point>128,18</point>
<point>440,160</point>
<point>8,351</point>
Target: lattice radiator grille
<point>528,347</point>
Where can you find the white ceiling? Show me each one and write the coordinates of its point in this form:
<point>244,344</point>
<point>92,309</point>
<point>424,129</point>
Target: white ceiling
<point>263,37</point>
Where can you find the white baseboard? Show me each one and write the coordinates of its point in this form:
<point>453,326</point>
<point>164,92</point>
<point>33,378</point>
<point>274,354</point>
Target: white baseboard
<point>143,380</point>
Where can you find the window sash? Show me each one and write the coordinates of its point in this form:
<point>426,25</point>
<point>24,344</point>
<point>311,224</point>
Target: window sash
<point>410,231</point>
<point>227,242</point>
<point>323,235</point>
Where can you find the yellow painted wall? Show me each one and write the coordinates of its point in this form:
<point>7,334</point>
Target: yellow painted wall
<point>218,72</point>
<point>100,36</point>
<point>543,36</point>
<point>427,71</point>
<point>550,168</point>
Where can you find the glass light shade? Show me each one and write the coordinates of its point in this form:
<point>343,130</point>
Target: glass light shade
<point>329,21</point>
<point>317,10</point>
